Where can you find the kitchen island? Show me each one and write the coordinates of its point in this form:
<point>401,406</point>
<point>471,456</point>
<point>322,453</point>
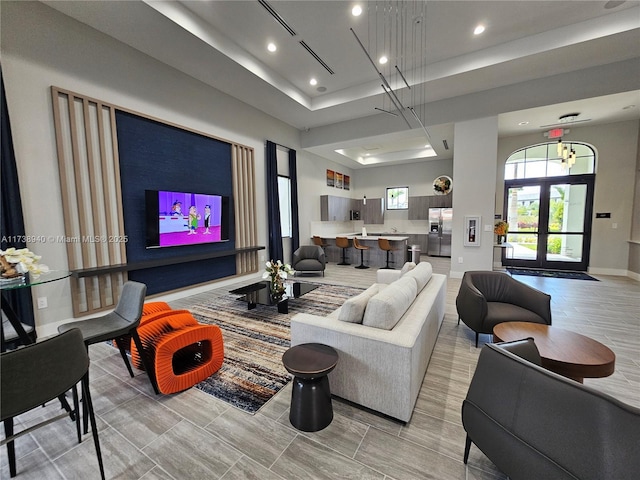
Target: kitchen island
<point>374,257</point>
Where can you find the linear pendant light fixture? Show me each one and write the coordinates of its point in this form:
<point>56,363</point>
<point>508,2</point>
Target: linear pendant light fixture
<point>397,31</point>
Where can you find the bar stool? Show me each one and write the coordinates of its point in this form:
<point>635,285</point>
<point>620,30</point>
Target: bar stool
<point>343,243</point>
<point>318,241</point>
<point>383,244</point>
<point>362,248</point>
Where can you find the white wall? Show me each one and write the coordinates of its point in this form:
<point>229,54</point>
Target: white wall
<point>616,145</point>
<point>41,48</point>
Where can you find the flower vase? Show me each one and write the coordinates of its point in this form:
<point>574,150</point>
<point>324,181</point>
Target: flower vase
<point>277,286</point>
<point>500,239</point>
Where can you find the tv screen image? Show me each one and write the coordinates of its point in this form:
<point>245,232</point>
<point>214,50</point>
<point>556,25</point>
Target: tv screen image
<point>184,218</point>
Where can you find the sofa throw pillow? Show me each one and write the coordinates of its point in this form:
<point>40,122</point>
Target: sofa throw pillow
<point>386,308</point>
<point>407,267</point>
<point>421,274</point>
<point>353,308</point>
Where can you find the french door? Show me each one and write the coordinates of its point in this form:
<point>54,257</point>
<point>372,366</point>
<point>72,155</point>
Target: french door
<point>549,222</point>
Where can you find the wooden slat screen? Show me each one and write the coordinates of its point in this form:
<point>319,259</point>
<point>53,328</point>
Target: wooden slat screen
<point>90,181</point>
<point>245,207</point>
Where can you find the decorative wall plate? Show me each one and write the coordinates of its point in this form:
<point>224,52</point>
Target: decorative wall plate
<point>442,185</point>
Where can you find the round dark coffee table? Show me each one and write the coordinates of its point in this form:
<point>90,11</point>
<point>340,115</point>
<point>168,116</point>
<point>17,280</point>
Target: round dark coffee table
<point>310,363</point>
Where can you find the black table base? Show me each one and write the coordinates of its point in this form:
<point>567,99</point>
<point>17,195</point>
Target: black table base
<point>311,408</point>
<point>310,363</point>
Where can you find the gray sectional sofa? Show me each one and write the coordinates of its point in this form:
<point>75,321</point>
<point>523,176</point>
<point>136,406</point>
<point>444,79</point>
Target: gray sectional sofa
<point>384,338</point>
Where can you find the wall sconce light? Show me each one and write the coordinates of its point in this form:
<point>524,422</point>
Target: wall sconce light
<point>364,200</point>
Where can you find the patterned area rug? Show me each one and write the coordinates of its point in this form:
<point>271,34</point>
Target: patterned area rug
<point>254,341</point>
<point>551,274</point>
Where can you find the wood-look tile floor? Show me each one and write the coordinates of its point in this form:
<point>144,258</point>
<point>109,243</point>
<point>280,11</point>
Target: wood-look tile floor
<point>192,435</point>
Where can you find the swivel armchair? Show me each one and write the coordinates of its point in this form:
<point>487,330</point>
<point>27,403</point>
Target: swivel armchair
<point>309,258</point>
<point>486,299</point>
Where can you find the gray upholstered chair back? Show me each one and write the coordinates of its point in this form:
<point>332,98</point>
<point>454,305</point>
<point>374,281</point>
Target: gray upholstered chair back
<point>39,372</point>
<point>309,251</point>
<point>532,423</point>
<point>526,349</point>
<point>131,301</point>
<point>494,286</point>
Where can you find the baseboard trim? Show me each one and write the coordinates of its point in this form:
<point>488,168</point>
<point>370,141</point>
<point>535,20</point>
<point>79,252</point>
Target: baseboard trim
<point>608,271</point>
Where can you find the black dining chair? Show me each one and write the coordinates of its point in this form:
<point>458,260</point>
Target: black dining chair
<point>120,325</point>
<point>38,373</point>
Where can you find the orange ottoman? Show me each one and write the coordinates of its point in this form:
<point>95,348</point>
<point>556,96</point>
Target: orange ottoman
<point>182,351</point>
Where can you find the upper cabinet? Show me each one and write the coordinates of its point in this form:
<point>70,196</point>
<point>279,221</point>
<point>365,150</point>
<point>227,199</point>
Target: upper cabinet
<point>335,209</point>
<point>339,209</point>
<point>372,213</point>
<point>441,201</point>
<point>419,206</point>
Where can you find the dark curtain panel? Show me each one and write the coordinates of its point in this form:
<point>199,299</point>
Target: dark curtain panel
<point>11,213</point>
<point>273,206</point>
<point>293,174</point>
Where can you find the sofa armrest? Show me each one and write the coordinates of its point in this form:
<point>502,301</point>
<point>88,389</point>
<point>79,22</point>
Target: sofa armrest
<point>387,276</point>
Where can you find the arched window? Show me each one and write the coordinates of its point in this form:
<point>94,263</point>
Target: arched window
<point>545,160</point>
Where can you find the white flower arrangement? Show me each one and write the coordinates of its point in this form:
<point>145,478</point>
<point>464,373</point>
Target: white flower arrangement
<point>21,261</point>
<point>277,270</point>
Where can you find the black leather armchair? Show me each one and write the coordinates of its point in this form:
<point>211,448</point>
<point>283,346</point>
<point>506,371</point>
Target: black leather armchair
<point>534,424</point>
<point>486,299</point>
<point>309,258</point>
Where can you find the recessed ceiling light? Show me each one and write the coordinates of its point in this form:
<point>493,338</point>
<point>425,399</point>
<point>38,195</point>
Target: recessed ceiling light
<point>383,60</point>
<point>523,123</point>
<point>313,81</point>
<point>478,30</point>
<point>628,107</point>
<point>356,11</point>
<point>272,47</point>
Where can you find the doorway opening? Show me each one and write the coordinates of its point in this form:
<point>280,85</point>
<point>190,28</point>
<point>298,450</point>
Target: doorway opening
<point>548,206</point>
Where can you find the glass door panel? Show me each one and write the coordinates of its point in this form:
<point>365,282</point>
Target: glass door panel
<point>564,248</point>
<point>566,207</point>
<point>523,215</point>
<point>550,223</point>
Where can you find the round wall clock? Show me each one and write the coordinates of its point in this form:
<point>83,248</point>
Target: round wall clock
<point>442,185</point>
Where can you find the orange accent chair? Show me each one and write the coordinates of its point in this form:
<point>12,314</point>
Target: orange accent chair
<point>182,351</point>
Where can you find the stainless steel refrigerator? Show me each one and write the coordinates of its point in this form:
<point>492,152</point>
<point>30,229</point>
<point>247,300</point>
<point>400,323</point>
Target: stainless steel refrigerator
<point>440,221</point>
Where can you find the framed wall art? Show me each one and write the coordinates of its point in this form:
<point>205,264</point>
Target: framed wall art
<point>331,178</point>
<point>471,231</point>
<point>338,180</point>
<point>346,182</point>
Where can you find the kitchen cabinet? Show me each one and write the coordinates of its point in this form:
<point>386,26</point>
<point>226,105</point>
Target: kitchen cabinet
<point>419,206</point>
<point>372,213</point>
<point>441,201</point>
<point>335,209</point>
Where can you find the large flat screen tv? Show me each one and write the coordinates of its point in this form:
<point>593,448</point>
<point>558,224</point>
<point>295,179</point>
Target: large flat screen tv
<point>182,218</point>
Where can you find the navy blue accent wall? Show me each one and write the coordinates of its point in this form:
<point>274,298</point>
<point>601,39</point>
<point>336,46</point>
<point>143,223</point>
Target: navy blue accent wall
<point>156,156</point>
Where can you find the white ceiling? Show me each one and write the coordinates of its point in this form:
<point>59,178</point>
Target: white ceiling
<point>543,58</point>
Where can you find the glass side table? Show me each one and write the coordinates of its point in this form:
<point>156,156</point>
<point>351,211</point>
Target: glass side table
<point>25,281</point>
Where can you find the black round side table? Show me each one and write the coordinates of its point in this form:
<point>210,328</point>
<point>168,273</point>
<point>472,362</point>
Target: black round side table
<point>310,363</point>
